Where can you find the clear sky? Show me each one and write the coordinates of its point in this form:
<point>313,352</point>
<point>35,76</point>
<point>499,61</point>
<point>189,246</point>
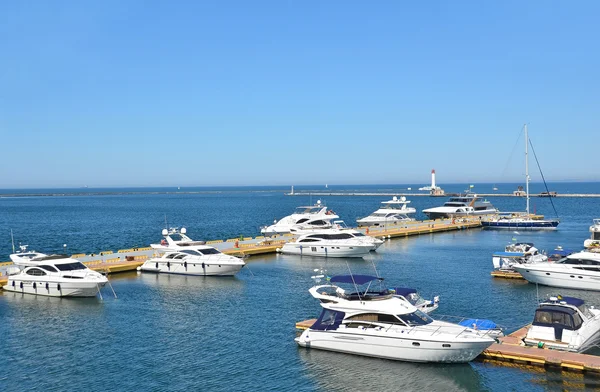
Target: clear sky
<point>160,93</point>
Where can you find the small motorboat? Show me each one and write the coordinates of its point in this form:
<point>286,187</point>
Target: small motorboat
<point>518,253</point>
<point>564,323</point>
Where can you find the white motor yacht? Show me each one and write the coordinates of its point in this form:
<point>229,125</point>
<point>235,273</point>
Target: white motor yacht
<point>564,323</point>
<point>52,275</point>
<point>392,212</point>
<point>202,260</point>
<point>463,205</point>
<point>593,243</point>
<point>576,271</point>
<point>316,216</point>
<point>379,324</point>
<point>517,253</point>
<point>329,243</point>
<point>340,227</point>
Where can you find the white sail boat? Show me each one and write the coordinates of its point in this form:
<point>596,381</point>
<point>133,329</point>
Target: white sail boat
<point>521,221</point>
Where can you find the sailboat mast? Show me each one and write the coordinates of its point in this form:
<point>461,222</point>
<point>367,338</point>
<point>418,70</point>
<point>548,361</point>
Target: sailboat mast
<point>527,167</point>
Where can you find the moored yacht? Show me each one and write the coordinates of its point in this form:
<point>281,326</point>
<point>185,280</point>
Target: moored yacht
<point>316,216</point>
<point>576,271</point>
<point>593,242</point>
<point>517,253</point>
<point>564,323</point>
<point>392,212</point>
<point>52,275</point>
<point>176,239</point>
<point>202,260</point>
<point>340,227</point>
<point>329,243</point>
<point>463,205</point>
<point>379,324</point>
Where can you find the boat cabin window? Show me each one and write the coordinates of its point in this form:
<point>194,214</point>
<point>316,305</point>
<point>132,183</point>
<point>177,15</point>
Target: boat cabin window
<point>302,220</point>
<point>319,223</point>
<point>71,266</point>
<point>415,318</point>
<point>596,235</point>
<point>35,272</point>
<point>191,252</point>
<point>209,251</point>
<point>309,240</point>
<point>171,255</point>
<point>580,261</point>
<point>180,256</point>
<point>562,318</point>
<point>359,234</point>
<point>375,317</point>
<point>454,204</point>
<point>48,268</point>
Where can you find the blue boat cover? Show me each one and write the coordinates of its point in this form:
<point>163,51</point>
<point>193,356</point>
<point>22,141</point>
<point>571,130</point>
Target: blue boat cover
<point>571,300</point>
<point>478,324</point>
<point>509,254</point>
<point>403,291</point>
<point>358,279</point>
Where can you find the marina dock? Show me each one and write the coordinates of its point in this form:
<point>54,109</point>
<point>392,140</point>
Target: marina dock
<point>509,350</point>
<point>409,194</point>
<point>507,275</point>
<point>125,260</point>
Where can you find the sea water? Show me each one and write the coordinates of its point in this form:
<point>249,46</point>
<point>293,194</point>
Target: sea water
<point>227,334</point>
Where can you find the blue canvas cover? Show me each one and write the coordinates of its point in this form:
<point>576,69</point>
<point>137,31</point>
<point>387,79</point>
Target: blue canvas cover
<point>478,324</point>
<point>358,279</point>
<point>509,254</point>
<point>329,319</point>
<point>404,291</point>
<point>571,300</point>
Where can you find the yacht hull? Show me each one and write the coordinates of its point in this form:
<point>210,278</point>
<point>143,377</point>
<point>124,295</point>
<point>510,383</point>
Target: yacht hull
<point>567,278</point>
<point>54,289</point>
<point>196,269</point>
<point>327,251</point>
<point>394,348</point>
<point>532,225</point>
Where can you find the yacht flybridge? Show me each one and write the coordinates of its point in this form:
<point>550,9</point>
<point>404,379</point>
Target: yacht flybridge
<point>564,323</point>
<point>593,243</point>
<point>466,204</point>
<point>316,216</point>
<point>380,324</point>
<point>52,275</point>
<point>392,212</point>
<point>183,256</point>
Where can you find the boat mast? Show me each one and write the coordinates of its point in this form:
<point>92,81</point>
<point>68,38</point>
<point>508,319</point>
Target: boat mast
<point>527,168</point>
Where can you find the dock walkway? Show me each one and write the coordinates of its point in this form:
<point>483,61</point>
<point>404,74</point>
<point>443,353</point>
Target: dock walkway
<point>125,260</point>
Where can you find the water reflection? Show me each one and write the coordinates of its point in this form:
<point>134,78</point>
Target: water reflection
<point>336,372</point>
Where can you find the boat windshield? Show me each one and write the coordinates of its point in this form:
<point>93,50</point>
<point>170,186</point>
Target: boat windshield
<point>415,318</point>
<point>449,204</point>
<point>71,266</point>
<point>209,251</point>
<point>307,210</point>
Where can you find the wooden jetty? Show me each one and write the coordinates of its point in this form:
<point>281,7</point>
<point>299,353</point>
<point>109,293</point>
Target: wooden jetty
<point>413,194</point>
<point>507,274</point>
<point>125,260</point>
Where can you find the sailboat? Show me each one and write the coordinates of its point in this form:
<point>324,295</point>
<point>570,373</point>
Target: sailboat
<point>526,220</point>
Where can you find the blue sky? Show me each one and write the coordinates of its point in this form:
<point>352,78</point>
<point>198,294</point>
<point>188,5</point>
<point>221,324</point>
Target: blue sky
<point>148,93</point>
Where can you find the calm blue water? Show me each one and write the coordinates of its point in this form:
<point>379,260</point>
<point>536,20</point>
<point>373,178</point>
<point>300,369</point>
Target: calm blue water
<point>184,333</point>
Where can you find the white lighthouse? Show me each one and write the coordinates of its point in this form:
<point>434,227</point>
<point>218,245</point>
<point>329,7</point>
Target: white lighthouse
<point>433,189</point>
<point>432,178</point>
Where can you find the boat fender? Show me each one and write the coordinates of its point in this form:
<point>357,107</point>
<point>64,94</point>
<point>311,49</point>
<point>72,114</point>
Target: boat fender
<point>203,266</point>
<point>156,265</point>
<point>185,265</point>
<point>47,286</point>
<point>34,286</point>
<point>21,285</point>
<point>367,231</point>
<point>236,244</point>
<point>58,287</point>
<point>168,264</point>
<point>13,283</point>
